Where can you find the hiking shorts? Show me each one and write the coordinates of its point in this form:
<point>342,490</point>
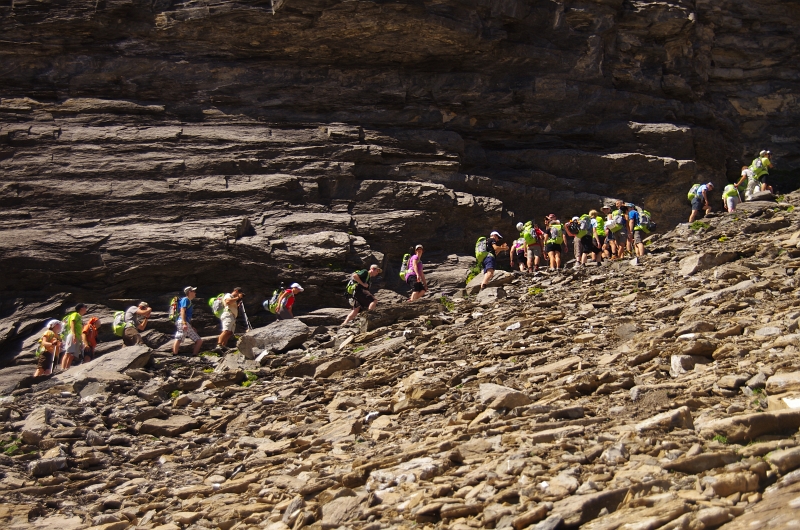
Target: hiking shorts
<point>637,237</point>
<point>488,263</point>
<point>731,202</point>
<point>698,203</point>
<point>587,245</point>
<point>362,298</point>
<point>45,361</point>
<point>416,286</point>
<point>534,251</point>
<point>130,336</point>
<point>228,322</point>
<point>552,247</point>
<point>621,238</point>
<point>72,346</point>
<point>601,241</point>
<point>188,333</point>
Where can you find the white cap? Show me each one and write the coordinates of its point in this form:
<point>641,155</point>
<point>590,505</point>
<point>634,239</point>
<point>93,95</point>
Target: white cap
<point>296,286</point>
<point>190,288</point>
<point>520,226</point>
<point>576,218</point>
<point>496,234</point>
<point>763,152</point>
<point>53,323</point>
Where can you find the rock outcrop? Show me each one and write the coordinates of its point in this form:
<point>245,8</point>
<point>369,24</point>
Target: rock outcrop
<point>148,145</point>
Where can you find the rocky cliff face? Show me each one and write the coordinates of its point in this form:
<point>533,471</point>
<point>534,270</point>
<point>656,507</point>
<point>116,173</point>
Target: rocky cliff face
<point>147,145</point>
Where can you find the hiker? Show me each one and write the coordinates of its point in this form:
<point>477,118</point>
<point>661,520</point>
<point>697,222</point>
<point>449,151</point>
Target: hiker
<point>586,238</point>
<point>636,232</point>
<point>135,321</point>
<point>760,168</point>
<point>700,201</point>
<point>572,230</point>
<point>228,318</point>
<point>90,331</point>
<point>415,277</point>
<point>533,237</point>
<point>362,298</point>
<point>517,254</point>
<point>730,198</point>
<point>493,247</point>
<point>73,344</point>
<point>49,348</point>
<point>183,324</point>
<point>741,186</point>
<point>620,218</point>
<point>599,233</point>
<point>555,238</point>
<point>286,301</point>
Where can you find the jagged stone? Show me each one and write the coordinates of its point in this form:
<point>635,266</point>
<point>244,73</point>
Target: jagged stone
<point>279,336</point>
<point>705,260</point>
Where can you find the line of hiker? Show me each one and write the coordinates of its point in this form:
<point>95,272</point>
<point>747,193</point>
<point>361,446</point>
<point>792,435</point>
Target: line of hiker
<point>594,235</point>
<point>752,180</point>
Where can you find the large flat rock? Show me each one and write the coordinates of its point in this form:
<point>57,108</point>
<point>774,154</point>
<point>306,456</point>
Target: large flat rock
<point>279,336</point>
<point>107,368</point>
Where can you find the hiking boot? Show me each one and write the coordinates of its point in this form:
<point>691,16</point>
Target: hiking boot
<point>220,349</point>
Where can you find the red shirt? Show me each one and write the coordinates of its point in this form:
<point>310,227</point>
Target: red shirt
<point>91,335</point>
<point>288,301</point>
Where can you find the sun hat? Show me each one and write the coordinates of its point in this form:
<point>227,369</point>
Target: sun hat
<point>296,286</point>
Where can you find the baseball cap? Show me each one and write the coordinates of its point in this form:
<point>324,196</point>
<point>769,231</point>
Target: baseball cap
<point>711,185</point>
<point>520,226</point>
<point>143,305</point>
<point>419,247</point>
<point>190,288</point>
<point>496,234</point>
<point>576,218</point>
<point>53,323</point>
<point>296,286</point>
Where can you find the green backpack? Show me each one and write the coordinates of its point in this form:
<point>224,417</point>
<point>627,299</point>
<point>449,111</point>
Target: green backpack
<point>118,325</point>
<point>481,250</point>
<point>692,192</point>
<point>217,305</point>
<point>529,234</point>
<point>403,268</point>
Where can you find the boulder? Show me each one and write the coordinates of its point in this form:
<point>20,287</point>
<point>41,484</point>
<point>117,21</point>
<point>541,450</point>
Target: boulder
<point>501,397</point>
<point>499,279</point>
<point>107,369</point>
<point>679,418</point>
<point>329,368</point>
<point>783,382</point>
<point>386,315</point>
<point>171,427</point>
<point>280,336</point>
<point>747,427</point>
<point>704,260</point>
<point>490,295</point>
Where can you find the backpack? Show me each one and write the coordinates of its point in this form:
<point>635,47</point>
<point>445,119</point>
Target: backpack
<point>271,305</point>
<point>173,312</point>
<point>645,222</point>
<point>692,192</point>
<point>118,325</point>
<point>403,269</point>
<point>529,234</point>
<point>350,288</point>
<point>481,249</point>
<point>217,305</point>
<point>574,227</point>
<point>585,227</point>
<point>615,224</point>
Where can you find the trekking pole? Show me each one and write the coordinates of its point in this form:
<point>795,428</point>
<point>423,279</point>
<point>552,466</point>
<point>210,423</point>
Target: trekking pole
<point>246,320</point>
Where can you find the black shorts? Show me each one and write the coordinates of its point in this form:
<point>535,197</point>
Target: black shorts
<point>698,203</point>
<point>362,298</point>
<point>587,245</point>
<point>552,247</point>
<point>44,361</point>
<point>416,286</point>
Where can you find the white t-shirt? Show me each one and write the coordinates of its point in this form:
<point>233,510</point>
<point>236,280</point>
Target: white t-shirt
<point>233,306</point>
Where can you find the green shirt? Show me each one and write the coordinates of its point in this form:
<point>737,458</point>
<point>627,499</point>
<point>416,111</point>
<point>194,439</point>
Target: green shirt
<point>74,323</point>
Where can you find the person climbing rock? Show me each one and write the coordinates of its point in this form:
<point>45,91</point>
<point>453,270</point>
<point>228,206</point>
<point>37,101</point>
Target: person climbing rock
<point>555,238</point>
<point>415,277</point>
<point>183,325</point>
<point>73,343</point>
<point>49,348</point>
<point>760,169</point>
<point>572,229</point>
<point>286,301</point>
<point>494,247</point>
<point>362,297</point>
<point>701,200</point>
<point>90,331</point>
<point>730,197</point>
<point>135,321</point>
<point>517,255</point>
<point>231,302</point>
<point>599,234</point>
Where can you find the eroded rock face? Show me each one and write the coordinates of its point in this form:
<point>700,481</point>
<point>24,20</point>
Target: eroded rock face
<point>163,143</point>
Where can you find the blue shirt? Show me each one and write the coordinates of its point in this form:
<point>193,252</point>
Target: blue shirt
<point>633,215</point>
<point>186,303</point>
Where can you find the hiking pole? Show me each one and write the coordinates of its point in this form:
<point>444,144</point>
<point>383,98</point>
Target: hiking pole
<point>244,313</point>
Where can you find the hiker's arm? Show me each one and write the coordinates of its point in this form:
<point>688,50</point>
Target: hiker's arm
<point>183,317</point>
<point>84,338</point>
